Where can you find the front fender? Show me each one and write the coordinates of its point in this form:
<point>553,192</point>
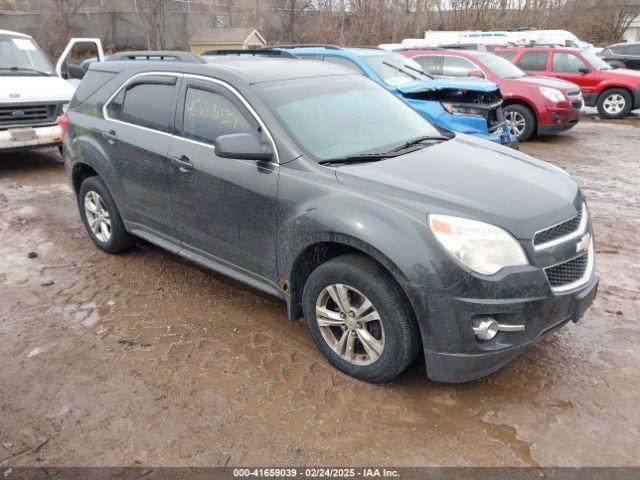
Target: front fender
<point>397,239</point>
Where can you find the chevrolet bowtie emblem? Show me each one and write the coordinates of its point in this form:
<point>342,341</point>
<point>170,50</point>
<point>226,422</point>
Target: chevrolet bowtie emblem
<point>584,242</point>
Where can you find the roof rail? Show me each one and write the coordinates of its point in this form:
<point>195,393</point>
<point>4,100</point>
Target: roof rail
<point>310,45</point>
<point>534,45</point>
<point>153,55</point>
<point>257,52</point>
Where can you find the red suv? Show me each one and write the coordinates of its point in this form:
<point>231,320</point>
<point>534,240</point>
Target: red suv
<point>614,92</point>
<point>531,104</point>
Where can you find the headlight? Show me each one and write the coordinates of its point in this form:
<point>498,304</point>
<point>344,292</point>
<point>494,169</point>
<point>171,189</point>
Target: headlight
<point>65,106</point>
<point>552,94</point>
<point>457,109</point>
<point>485,248</point>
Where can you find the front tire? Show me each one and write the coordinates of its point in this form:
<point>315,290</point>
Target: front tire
<point>101,217</point>
<point>360,319</point>
<point>521,121</point>
<point>614,103</point>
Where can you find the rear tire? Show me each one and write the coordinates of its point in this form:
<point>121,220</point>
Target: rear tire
<point>614,103</point>
<point>521,121</point>
<point>381,348</point>
<point>101,217</point>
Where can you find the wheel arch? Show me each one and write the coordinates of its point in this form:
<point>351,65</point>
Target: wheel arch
<point>608,87</point>
<point>79,173</point>
<point>325,249</point>
<point>524,103</point>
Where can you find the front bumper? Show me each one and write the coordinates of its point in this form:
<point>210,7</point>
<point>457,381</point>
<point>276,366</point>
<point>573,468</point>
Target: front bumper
<point>29,137</point>
<point>559,120</point>
<point>636,98</point>
<point>520,297</point>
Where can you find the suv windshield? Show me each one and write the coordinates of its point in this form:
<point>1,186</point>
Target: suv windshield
<point>500,67</point>
<point>22,56</point>
<point>396,70</point>
<point>595,61</point>
<point>340,116</point>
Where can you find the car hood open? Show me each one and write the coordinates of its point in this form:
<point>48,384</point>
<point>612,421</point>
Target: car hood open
<point>474,179</point>
<point>476,84</point>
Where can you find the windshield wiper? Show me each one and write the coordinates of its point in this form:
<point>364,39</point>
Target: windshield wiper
<point>402,70</point>
<point>26,69</point>
<point>418,140</point>
<point>357,158</point>
<point>422,72</point>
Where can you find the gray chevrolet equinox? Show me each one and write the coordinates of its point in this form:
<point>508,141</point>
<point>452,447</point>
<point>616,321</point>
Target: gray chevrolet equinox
<point>312,183</point>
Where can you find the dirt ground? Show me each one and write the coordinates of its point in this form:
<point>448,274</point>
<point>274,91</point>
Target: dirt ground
<point>145,359</point>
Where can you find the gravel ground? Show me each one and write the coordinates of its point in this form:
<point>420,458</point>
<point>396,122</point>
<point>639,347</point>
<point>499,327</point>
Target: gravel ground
<point>145,359</point>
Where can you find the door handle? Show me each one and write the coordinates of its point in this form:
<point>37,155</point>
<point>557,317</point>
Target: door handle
<point>111,136</point>
<point>182,163</point>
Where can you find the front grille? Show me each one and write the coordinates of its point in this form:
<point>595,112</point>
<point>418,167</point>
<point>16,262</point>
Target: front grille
<point>567,272</point>
<point>573,93</point>
<point>558,231</point>
<point>28,114</point>
<point>577,105</point>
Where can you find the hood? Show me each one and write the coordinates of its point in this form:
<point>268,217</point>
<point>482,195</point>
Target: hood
<point>635,74</point>
<point>34,89</point>
<point>550,82</point>
<point>473,179</point>
<point>470,83</point>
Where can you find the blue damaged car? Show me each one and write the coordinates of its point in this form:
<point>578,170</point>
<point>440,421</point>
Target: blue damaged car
<point>472,106</point>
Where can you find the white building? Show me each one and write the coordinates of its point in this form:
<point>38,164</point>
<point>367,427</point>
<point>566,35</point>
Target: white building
<point>632,34</point>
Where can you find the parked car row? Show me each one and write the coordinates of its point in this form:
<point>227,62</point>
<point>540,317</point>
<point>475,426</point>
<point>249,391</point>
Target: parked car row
<point>472,92</point>
<point>615,92</point>
<point>531,105</point>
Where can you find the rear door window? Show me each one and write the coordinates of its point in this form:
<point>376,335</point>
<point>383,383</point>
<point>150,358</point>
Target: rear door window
<point>208,114</point>
<point>147,105</point>
<point>633,50</point>
<point>567,63</point>
<point>430,63</point>
<point>533,61</point>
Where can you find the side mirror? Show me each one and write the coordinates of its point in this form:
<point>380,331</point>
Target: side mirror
<point>242,146</point>
<point>475,74</point>
<point>584,70</point>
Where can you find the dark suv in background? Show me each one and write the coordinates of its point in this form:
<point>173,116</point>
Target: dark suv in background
<point>310,182</point>
<point>622,55</point>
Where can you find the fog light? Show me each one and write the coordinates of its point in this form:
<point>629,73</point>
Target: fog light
<point>485,328</point>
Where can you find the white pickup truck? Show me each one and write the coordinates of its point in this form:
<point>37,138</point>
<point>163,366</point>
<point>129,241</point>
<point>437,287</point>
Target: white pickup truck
<point>33,95</point>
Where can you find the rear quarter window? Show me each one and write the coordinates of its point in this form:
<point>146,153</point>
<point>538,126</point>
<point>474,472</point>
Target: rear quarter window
<point>91,83</point>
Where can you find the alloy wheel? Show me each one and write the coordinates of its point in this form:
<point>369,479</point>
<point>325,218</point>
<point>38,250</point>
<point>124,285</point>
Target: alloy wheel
<point>614,104</point>
<point>350,324</point>
<point>98,216</point>
<point>516,122</point>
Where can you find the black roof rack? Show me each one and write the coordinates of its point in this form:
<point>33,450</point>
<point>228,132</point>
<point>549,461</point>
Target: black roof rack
<point>258,52</point>
<point>310,45</point>
<point>464,46</point>
<point>165,56</point>
<point>533,45</point>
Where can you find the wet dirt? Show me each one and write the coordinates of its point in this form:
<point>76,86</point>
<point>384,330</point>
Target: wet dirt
<point>145,359</point>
